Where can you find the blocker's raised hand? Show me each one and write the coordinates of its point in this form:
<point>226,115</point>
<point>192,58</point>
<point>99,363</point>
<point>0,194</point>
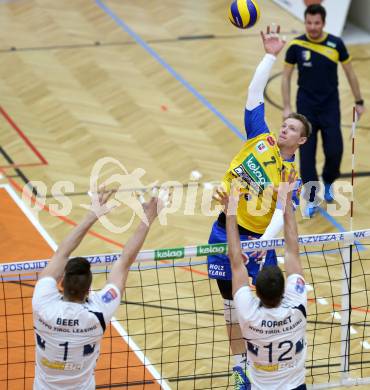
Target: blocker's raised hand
<point>229,201</point>
<point>99,202</point>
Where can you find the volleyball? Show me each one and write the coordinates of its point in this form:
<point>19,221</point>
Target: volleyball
<point>244,13</point>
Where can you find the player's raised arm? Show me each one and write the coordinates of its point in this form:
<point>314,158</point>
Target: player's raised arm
<point>121,267</point>
<point>292,260</point>
<point>230,202</point>
<point>55,268</point>
<point>254,118</point>
<point>273,45</point>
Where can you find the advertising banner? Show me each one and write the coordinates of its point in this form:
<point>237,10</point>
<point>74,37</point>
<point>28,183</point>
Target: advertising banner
<point>337,11</point>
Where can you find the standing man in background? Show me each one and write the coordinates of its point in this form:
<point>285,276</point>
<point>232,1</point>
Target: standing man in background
<point>317,55</point>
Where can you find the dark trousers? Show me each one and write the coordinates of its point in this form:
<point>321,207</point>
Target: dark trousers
<point>327,120</point>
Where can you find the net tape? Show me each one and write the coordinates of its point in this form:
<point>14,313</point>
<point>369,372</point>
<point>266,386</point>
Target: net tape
<point>178,253</point>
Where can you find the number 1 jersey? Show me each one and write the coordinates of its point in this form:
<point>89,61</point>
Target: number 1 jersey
<point>68,335</point>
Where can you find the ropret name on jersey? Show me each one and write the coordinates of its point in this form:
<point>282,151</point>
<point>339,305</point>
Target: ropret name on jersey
<point>270,323</point>
<point>269,327</point>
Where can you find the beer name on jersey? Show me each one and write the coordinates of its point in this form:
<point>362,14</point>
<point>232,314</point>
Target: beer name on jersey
<point>67,325</point>
<point>66,322</point>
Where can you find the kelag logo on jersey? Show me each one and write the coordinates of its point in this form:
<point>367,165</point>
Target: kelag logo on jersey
<point>255,170</point>
<point>109,296</point>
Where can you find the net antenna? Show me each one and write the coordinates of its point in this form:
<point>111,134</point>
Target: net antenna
<point>353,137</point>
<point>347,272</point>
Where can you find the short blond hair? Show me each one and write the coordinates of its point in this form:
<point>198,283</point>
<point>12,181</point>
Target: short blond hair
<point>307,127</point>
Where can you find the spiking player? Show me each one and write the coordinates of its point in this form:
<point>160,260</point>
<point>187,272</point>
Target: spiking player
<point>273,324</point>
<point>70,326</point>
<point>258,164</point>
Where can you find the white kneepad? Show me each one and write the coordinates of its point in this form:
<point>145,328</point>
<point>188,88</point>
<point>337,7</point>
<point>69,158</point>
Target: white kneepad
<point>230,314</point>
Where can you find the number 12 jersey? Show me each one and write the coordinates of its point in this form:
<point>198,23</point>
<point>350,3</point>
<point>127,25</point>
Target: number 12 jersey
<point>275,338</point>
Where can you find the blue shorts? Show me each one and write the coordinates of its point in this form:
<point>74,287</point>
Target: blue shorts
<point>219,265</point>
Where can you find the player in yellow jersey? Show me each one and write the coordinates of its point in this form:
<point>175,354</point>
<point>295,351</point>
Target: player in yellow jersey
<point>258,166</point>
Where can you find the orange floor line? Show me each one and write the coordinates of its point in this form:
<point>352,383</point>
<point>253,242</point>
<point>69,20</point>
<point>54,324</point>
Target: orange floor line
<point>21,240</point>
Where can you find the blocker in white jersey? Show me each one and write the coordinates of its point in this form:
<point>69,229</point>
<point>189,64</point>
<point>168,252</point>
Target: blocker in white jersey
<point>70,325</point>
<point>272,323</point>
<point>68,335</point>
<point>275,337</point>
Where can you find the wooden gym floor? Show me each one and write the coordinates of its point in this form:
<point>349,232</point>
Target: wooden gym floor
<point>159,86</point>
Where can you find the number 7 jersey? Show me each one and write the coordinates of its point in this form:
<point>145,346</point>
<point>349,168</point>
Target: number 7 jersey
<point>257,166</point>
<point>275,338</point>
<point>68,335</point>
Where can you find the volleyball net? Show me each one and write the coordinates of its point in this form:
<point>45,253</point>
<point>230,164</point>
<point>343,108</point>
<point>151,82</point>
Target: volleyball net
<point>169,330</point>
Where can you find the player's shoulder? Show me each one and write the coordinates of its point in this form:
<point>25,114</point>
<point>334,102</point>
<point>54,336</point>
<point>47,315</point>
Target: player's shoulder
<point>293,278</point>
<point>335,43</point>
<point>298,39</point>
<point>302,37</point>
<point>262,143</point>
<point>332,40</point>
<point>108,295</point>
<point>270,139</point>
<point>244,297</point>
<point>45,289</point>
<point>246,303</point>
<point>47,281</point>
<point>295,289</point>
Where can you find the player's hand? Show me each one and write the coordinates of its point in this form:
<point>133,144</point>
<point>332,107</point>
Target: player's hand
<point>230,202</point>
<point>256,255</point>
<point>360,109</point>
<point>158,201</point>
<point>286,187</point>
<point>272,42</point>
<point>99,203</point>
